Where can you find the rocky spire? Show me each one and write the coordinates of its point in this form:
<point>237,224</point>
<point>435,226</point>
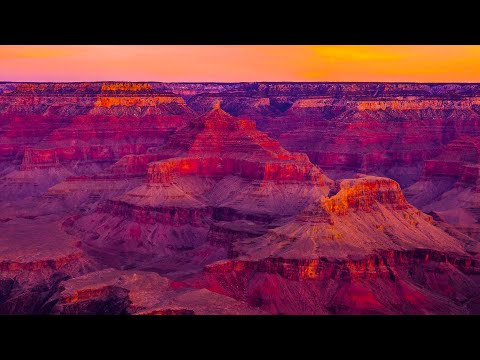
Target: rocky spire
<point>217,114</point>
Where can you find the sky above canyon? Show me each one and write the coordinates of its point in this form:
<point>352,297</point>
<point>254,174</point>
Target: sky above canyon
<point>232,63</point>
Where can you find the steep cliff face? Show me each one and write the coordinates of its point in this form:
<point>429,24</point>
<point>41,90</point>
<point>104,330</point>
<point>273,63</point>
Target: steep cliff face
<point>449,187</point>
<point>458,157</point>
<point>392,143</point>
<point>100,140</point>
<point>80,129</point>
<point>394,282</point>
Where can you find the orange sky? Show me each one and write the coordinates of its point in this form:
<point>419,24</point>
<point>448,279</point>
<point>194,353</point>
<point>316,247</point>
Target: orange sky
<point>197,63</point>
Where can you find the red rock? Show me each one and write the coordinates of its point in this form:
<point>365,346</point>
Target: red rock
<point>127,175</point>
<point>363,193</point>
<point>82,128</point>
<point>448,188</point>
<point>176,208</point>
<point>35,256</point>
<point>221,145</point>
<point>142,293</point>
<point>388,283</point>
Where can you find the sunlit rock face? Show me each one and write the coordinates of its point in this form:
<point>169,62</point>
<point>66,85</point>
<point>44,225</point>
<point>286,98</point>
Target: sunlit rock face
<point>244,198</point>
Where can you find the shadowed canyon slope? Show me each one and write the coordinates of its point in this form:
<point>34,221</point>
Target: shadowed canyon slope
<point>242,198</point>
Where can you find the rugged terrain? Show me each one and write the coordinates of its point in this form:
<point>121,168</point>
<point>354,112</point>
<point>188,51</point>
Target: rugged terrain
<point>247,198</point>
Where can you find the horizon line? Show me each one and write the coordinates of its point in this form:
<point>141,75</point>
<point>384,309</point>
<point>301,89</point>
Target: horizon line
<point>239,82</point>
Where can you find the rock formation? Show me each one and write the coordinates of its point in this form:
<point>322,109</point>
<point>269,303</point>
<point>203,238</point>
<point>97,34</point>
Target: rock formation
<point>117,292</point>
<point>249,198</point>
<point>49,132</point>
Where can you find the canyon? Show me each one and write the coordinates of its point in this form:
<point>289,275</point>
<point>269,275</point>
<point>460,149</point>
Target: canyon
<point>152,198</point>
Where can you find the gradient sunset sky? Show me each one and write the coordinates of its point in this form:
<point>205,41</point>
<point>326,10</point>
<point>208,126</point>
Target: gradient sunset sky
<point>231,63</point>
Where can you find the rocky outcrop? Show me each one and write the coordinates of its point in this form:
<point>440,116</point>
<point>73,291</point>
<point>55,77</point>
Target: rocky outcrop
<point>35,257</point>
<point>144,293</point>
<point>225,171</point>
<point>367,215</point>
<point>419,281</point>
<point>370,267</point>
<point>362,193</point>
<point>220,145</point>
